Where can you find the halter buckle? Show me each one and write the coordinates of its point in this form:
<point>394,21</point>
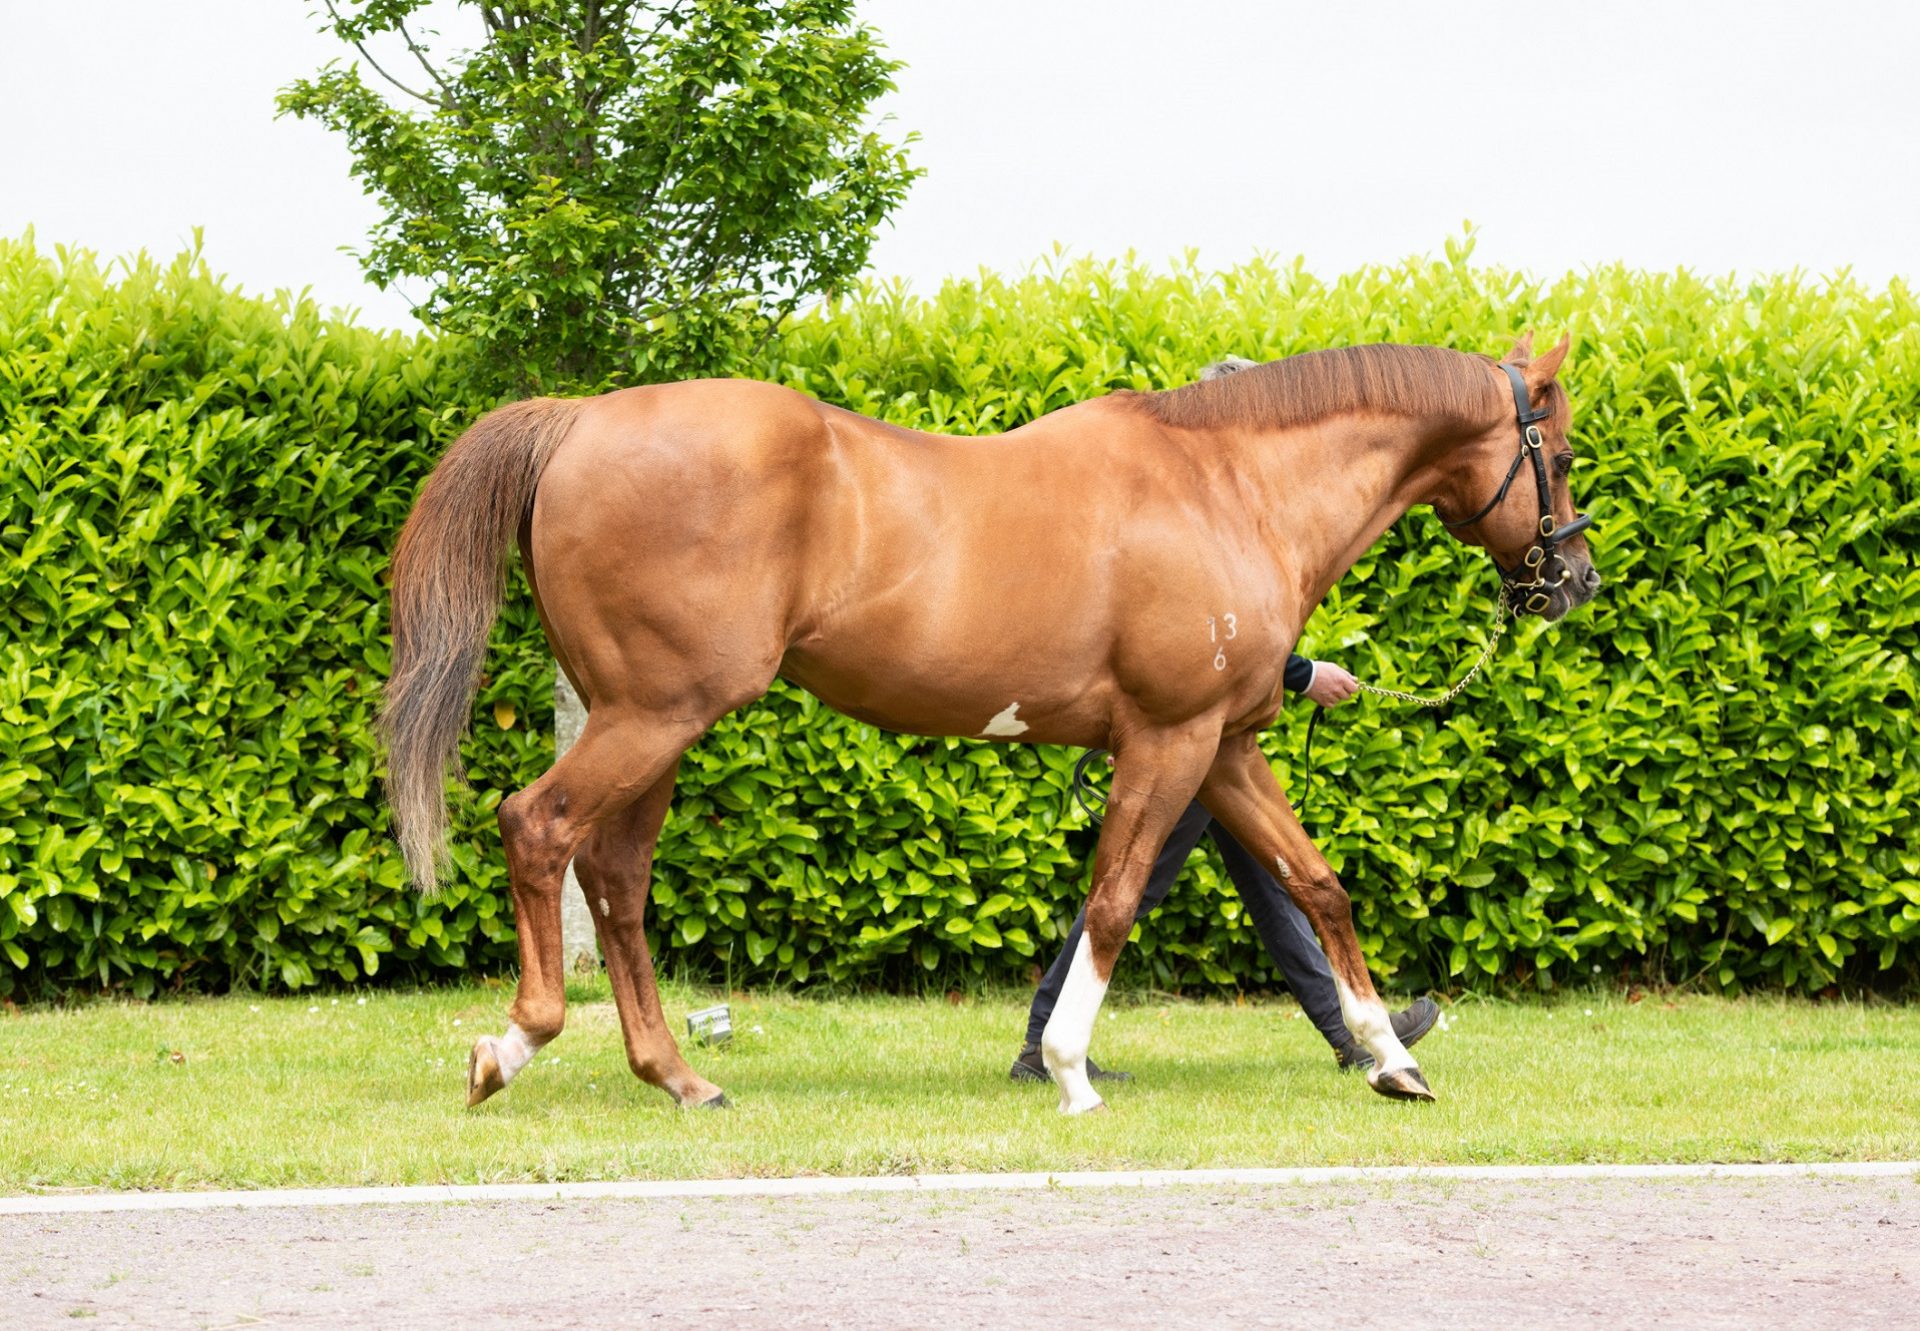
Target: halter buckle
<point>1538,601</point>
<point>1532,437</point>
<point>1534,555</point>
<point>1546,525</point>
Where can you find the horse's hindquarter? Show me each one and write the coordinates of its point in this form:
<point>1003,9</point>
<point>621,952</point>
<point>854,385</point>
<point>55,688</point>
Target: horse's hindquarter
<point>664,535</point>
<point>1034,586</point>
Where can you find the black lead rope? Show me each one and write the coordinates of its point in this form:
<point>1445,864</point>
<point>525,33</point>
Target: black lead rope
<point>1083,793</point>
<point>1313,724</point>
<point>1093,804</point>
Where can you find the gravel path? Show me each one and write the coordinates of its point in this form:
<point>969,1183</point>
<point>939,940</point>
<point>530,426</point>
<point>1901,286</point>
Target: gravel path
<point>1736,1253</point>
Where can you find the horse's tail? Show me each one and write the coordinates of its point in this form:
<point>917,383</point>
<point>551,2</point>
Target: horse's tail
<point>448,577</point>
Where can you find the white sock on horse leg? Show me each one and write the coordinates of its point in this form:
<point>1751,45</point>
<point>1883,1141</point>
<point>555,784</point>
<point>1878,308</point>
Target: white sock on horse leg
<point>1070,1030</point>
<point>515,1050</point>
<point>1373,1028</point>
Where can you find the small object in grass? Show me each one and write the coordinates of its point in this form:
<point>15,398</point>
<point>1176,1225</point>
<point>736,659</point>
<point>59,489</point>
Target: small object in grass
<point>710,1025</point>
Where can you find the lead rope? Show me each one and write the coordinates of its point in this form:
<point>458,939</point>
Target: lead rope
<point>1094,804</point>
<point>1411,699</point>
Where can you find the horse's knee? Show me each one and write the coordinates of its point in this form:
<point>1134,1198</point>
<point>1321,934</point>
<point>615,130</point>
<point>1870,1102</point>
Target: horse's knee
<point>1108,924</point>
<point>1320,895</point>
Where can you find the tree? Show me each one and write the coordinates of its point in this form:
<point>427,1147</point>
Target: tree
<point>614,191</point>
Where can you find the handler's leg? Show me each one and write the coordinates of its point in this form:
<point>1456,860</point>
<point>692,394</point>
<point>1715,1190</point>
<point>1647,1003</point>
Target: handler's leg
<point>1288,937</point>
<point>1154,776</point>
<point>1166,870</point>
<point>1241,792</point>
<point>616,873</point>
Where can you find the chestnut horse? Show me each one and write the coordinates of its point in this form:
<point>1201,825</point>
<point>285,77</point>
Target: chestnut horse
<point>1128,573</point>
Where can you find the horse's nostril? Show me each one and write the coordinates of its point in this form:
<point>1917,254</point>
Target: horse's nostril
<point>1591,578</point>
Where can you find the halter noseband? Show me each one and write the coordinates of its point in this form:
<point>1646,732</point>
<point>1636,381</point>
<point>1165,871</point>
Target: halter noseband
<point>1532,594</point>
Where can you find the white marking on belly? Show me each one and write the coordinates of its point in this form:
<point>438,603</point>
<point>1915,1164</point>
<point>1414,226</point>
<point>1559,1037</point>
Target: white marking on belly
<point>1063,1045</point>
<point>1006,723</point>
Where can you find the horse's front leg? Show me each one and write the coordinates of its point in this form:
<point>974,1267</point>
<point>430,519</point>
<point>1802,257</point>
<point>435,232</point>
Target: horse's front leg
<point>1155,773</point>
<point>1241,792</point>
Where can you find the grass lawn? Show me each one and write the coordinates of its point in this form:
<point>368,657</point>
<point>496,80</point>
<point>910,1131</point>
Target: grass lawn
<point>351,1089</point>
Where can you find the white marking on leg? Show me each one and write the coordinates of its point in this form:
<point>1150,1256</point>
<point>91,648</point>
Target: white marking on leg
<point>1280,863</point>
<point>605,909</point>
<point>1373,1028</point>
<point>1006,723</point>
<point>1063,1045</point>
<point>515,1050</point>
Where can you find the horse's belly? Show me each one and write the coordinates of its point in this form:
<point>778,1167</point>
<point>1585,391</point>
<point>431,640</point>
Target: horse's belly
<point>1023,707</point>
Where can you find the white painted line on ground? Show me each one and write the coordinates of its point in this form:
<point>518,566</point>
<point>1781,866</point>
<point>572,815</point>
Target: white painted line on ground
<point>824,1185</point>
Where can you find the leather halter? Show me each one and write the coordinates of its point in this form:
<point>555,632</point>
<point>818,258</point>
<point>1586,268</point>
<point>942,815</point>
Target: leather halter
<point>1531,594</point>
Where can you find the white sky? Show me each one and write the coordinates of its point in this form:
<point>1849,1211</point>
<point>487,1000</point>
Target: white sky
<point>1749,136</point>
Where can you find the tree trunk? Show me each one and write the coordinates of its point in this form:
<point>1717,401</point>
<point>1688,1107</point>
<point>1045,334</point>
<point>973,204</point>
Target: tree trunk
<point>577,941</point>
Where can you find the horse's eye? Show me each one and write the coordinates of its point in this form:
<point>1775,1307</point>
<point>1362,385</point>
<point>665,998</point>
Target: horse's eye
<point>1563,463</point>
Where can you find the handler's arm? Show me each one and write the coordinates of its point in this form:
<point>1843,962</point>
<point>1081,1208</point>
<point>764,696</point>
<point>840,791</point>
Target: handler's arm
<point>1322,681</point>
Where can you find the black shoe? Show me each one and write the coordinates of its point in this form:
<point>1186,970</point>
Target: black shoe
<point>1409,1025</point>
<point>1031,1067</point>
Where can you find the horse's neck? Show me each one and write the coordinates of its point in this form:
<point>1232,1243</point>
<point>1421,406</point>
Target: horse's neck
<point>1333,488</point>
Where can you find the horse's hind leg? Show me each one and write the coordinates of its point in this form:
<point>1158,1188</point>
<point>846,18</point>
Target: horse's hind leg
<point>1242,793</point>
<point>617,758</point>
<point>1154,777</point>
<point>616,868</point>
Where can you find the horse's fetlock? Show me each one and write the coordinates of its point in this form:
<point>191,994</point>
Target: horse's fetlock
<point>541,1020</point>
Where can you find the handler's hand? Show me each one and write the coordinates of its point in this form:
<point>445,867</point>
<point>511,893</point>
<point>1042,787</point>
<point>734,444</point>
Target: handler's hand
<point>1331,685</point>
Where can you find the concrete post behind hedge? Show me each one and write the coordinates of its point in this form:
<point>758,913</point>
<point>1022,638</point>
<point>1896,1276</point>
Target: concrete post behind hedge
<point>577,942</point>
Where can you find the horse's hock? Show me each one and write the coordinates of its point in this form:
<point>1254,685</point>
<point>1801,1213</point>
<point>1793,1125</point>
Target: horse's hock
<point>581,949</point>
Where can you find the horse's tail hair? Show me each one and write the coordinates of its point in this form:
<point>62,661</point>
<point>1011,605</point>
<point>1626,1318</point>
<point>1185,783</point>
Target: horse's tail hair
<point>448,578</point>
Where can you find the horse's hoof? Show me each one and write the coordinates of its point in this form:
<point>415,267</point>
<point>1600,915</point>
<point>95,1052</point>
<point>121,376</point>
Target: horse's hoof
<point>719,1101</point>
<point>483,1071</point>
<point>1402,1084</point>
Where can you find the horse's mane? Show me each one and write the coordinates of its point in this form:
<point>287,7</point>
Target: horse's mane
<point>1403,381</point>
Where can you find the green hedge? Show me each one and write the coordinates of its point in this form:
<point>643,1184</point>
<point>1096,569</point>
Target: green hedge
<point>1706,773</point>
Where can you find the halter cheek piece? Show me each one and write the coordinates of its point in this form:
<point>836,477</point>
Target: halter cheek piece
<point>1531,593</point>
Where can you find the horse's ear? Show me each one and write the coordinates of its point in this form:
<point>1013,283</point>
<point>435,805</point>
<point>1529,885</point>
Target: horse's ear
<point>1540,372</point>
<point>1522,349</point>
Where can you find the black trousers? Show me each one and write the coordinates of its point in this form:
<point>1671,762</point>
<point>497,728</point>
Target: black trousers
<point>1288,937</point>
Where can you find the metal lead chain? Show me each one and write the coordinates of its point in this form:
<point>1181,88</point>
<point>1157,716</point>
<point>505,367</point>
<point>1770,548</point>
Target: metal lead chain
<point>1441,700</point>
